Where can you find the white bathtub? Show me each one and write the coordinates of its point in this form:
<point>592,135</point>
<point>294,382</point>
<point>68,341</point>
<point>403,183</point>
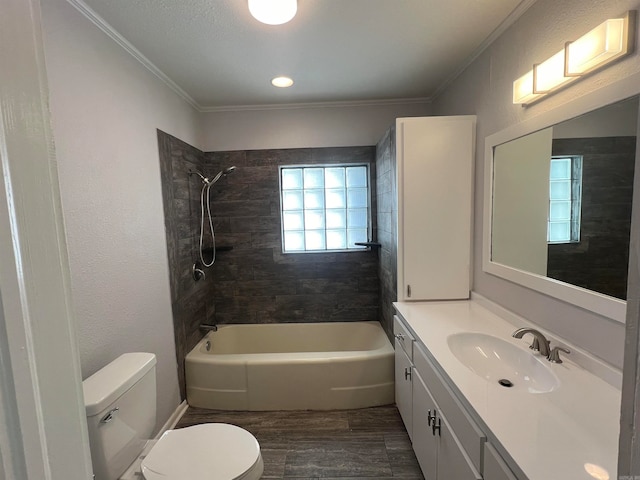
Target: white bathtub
<point>292,366</point>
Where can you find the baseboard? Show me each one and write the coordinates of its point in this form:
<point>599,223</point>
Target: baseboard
<point>174,418</point>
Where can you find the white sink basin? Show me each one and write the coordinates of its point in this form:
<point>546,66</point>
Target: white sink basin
<point>496,360</point>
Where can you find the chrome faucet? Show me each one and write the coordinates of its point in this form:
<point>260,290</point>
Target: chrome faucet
<point>540,342</point>
<point>208,327</point>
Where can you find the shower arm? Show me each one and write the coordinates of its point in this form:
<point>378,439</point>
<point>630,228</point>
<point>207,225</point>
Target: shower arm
<point>220,174</point>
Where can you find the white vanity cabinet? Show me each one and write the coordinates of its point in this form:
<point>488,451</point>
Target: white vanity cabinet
<point>404,373</point>
<point>434,161</point>
<point>447,442</point>
<point>493,433</point>
<point>438,447</point>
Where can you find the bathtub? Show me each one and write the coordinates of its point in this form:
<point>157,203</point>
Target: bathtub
<point>292,366</point>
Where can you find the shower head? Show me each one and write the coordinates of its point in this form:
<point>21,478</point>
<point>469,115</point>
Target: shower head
<point>221,173</point>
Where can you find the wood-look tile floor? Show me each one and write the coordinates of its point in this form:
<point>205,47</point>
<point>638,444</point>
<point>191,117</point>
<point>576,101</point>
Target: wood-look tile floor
<point>344,444</point>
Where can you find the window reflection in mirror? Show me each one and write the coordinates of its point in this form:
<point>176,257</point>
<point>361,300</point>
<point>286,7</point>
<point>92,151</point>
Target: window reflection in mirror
<point>562,200</point>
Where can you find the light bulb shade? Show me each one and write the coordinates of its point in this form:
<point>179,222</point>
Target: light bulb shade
<point>273,12</point>
<point>603,44</point>
<point>523,89</point>
<point>549,74</point>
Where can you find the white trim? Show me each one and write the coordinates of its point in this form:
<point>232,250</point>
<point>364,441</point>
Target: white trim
<point>586,360</point>
<point>517,12</point>
<point>595,302</point>
<point>99,22</point>
<point>173,419</point>
<point>342,104</point>
<point>44,364</point>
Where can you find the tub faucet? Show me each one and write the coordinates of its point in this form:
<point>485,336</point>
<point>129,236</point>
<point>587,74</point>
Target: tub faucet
<point>540,343</point>
<point>208,327</point>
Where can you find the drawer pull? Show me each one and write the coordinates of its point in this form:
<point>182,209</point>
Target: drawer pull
<point>407,373</point>
<point>400,337</point>
<point>435,427</point>
<point>430,417</point>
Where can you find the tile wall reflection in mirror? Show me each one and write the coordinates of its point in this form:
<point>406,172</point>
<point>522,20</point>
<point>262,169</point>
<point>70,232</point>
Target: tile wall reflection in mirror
<point>562,199</point>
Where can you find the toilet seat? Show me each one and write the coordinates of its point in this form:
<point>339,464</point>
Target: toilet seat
<point>212,451</point>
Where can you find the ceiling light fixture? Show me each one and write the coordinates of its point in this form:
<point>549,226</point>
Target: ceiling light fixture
<point>607,42</point>
<point>273,12</point>
<point>282,82</point>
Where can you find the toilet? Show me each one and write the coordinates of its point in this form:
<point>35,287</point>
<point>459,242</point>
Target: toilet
<point>120,402</point>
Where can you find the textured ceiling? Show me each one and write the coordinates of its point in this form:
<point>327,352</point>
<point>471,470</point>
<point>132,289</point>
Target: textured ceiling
<point>335,50</point>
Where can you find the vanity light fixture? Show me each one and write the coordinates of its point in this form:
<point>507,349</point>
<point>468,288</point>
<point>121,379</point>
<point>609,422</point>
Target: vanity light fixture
<point>273,12</point>
<point>607,42</point>
<point>282,82</point>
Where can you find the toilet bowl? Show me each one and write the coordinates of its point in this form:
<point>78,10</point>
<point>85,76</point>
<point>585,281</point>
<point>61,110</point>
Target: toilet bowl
<point>120,402</point>
<point>214,451</point>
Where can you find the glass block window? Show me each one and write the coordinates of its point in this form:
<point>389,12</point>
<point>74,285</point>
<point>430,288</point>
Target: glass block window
<point>324,207</point>
<point>565,196</point>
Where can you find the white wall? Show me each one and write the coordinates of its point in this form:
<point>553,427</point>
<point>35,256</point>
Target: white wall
<point>303,127</point>
<point>105,109</point>
<point>484,89</point>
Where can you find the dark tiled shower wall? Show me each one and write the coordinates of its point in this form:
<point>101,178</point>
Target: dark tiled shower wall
<point>599,261</point>
<point>387,227</point>
<point>255,282</point>
<point>191,301</point>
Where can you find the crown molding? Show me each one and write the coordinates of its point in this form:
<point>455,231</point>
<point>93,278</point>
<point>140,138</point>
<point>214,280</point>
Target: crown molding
<point>99,22</point>
<point>517,12</point>
<point>295,106</point>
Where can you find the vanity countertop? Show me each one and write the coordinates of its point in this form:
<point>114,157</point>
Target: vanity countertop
<point>557,435</point>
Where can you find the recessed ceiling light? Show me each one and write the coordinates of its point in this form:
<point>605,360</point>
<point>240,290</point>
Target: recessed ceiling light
<point>273,12</point>
<point>282,82</point>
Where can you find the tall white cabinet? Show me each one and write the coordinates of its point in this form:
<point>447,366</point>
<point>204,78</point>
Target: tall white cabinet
<point>434,168</point>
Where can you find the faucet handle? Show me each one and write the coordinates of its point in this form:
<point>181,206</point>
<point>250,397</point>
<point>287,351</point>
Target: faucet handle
<point>554,356</point>
<point>535,345</point>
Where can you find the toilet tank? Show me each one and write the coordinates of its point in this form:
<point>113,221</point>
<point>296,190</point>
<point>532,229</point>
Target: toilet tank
<point>120,401</point>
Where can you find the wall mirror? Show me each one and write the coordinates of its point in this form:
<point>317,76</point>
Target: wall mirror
<point>558,196</point>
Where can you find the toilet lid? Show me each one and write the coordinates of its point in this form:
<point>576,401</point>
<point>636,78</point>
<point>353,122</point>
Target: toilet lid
<point>215,451</point>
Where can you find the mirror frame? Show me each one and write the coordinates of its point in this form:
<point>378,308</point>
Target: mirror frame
<point>604,305</point>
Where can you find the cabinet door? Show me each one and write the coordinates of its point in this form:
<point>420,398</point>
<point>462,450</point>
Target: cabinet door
<point>494,466</point>
<point>403,387</point>
<point>425,443</point>
<point>434,162</point>
<point>453,462</point>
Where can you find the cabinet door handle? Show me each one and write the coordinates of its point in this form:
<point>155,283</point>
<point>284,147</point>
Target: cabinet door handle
<point>400,337</point>
<point>435,427</point>
<point>407,373</point>
<point>431,417</point>
<point>408,291</point>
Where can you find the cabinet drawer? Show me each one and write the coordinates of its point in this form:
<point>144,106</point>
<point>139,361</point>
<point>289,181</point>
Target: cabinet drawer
<point>494,466</point>
<point>468,433</point>
<point>403,336</point>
